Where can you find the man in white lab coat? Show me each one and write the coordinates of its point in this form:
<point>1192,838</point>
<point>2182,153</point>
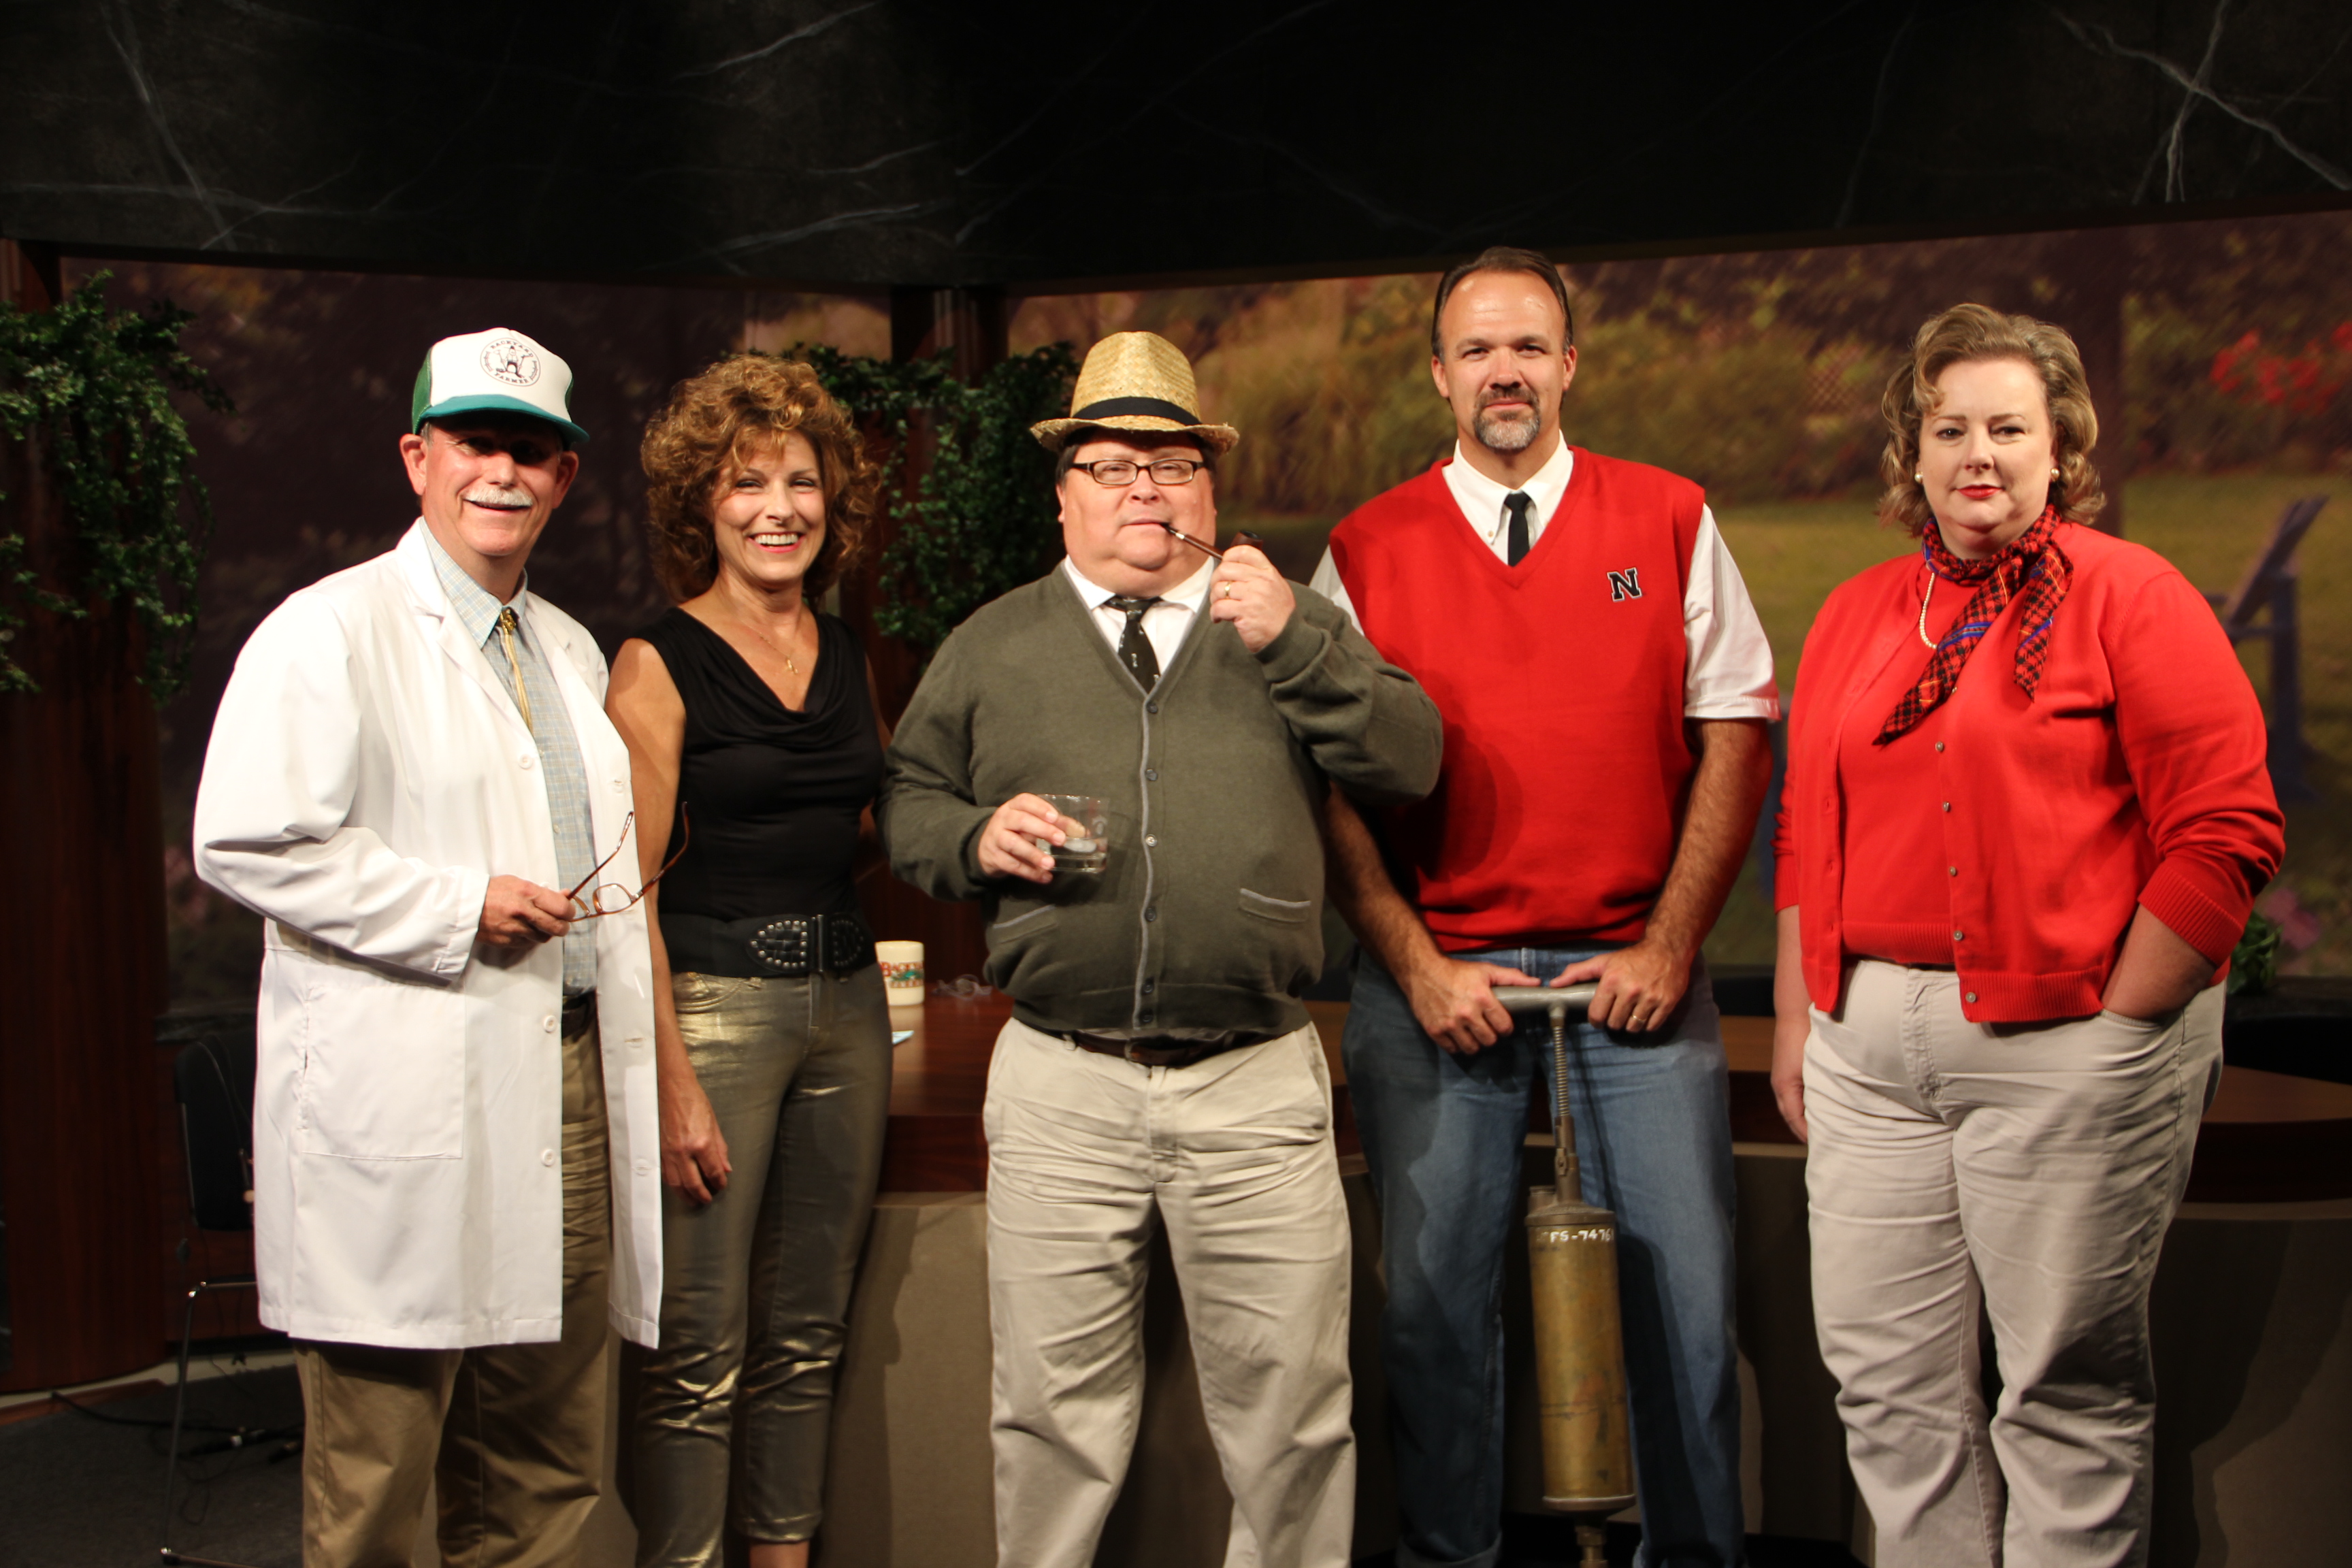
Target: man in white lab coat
<point>456,1160</point>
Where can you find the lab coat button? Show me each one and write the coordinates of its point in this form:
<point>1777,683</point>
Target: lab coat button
<point>548,1023</point>
<point>645,1167</point>
<point>523,761</point>
<point>547,1156</point>
<point>618,786</point>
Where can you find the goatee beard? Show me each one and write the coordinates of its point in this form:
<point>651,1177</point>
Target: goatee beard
<point>1508,432</point>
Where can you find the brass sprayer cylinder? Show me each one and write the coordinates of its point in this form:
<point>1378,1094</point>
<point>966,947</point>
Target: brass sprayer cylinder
<point>1588,1451</point>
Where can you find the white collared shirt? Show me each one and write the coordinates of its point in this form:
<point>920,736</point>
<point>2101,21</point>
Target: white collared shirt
<point>1164,622</point>
<point>1728,671</point>
<point>1481,499</point>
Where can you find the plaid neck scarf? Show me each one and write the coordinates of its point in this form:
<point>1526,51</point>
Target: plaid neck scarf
<point>2028,567</point>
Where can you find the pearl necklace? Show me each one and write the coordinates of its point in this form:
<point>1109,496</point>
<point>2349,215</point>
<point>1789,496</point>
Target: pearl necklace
<point>1923,610</point>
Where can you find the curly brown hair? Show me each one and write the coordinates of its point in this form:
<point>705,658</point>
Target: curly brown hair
<point>1967,332</point>
<point>714,422</point>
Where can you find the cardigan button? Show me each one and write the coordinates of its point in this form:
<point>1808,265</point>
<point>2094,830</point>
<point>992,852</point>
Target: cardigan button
<point>1972,995</point>
<point>1948,805</point>
<point>1956,936</point>
<point>1152,774</point>
<point>1151,841</point>
<point>1152,912</point>
<point>1956,870</point>
<point>1151,707</point>
<point>1940,745</point>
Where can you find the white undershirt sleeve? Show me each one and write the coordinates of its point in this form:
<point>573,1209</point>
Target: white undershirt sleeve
<point>1729,672</point>
<point>1327,582</point>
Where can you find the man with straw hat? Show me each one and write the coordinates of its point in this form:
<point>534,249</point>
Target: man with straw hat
<point>456,1183</point>
<point>1160,1069</point>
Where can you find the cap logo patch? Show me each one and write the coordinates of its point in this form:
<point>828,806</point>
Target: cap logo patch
<point>510,359</point>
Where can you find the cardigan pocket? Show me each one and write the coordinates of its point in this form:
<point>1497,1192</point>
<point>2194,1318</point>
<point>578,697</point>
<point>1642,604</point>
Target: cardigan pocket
<point>1281,911</point>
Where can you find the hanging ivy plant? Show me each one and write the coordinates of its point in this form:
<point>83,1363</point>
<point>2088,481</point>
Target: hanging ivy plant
<point>92,389</point>
<point>978,522</point>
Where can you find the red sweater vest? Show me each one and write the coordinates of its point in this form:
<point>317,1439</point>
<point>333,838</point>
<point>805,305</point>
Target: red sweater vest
<point>1561,682</point>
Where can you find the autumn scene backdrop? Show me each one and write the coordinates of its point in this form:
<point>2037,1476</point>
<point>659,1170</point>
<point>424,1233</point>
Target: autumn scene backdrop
<point>2218,353</point>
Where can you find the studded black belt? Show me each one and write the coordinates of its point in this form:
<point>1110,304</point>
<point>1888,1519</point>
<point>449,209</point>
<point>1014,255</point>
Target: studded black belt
<point>791,946</point>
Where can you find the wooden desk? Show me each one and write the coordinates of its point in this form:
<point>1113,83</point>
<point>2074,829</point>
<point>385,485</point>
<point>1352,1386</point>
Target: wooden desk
<point>2266,1138</point>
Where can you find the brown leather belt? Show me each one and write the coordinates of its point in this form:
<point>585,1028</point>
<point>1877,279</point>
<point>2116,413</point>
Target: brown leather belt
<point>1157,1050</point>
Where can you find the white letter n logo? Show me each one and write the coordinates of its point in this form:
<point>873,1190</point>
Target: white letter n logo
<point>1625,585</point>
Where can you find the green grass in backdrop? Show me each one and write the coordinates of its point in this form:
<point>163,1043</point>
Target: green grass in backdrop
<point>1793,553</point>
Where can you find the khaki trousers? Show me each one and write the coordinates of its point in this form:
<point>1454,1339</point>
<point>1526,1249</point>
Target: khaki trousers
<point>2022,1174</point>
<point>512,1434</point>
<point>1086,1154</point>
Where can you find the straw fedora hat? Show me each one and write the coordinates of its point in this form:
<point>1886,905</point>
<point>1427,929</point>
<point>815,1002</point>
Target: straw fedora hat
<point>1134,381</point>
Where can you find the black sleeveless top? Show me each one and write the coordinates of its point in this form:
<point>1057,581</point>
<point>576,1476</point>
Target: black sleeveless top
<point>773,795</point>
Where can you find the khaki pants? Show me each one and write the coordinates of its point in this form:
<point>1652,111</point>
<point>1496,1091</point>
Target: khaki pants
<point>2022,1174</point>
<point>1233,1155</point>
<point>513,1435</point>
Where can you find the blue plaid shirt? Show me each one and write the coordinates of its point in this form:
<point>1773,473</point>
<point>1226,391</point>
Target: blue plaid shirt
<point>550,725</point>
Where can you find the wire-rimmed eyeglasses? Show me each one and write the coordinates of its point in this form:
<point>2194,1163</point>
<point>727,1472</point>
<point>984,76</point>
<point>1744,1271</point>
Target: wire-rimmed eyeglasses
<point>1117,471</point>
<point>593,900</point>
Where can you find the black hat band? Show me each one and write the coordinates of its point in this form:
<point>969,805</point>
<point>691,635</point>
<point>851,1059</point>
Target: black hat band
<point>1111,407</point>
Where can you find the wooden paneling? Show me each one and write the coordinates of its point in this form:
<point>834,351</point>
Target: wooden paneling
<point>81,968</point>
<point>2267,1138</point>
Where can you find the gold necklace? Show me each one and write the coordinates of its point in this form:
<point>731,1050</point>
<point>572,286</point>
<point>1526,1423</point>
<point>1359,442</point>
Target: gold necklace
<point>1923,610</point>
<point>791,668</point>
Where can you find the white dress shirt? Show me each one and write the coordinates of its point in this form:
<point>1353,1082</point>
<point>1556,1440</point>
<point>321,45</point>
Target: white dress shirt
<point>1164,622</point>
<point>1728,674</point>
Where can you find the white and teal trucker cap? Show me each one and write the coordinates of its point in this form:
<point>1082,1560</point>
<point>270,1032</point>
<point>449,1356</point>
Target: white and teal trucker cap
<point>500,369</point>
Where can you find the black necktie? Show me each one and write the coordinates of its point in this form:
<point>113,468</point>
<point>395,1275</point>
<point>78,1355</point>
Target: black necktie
<point>1516,503</point>
<point>1135,648</point>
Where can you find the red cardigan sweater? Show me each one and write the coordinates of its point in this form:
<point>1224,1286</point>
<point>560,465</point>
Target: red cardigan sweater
<point>2133,776</point>
<point>1560,681</point>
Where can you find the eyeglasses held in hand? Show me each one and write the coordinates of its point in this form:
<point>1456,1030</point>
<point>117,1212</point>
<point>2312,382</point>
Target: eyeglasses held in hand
<point>593,900</point>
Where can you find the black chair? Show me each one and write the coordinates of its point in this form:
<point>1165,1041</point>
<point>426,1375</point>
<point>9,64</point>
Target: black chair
<point>212,1078</point>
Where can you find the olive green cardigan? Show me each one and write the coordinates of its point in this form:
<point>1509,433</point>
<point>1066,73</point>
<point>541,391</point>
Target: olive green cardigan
<point>1208,914</point>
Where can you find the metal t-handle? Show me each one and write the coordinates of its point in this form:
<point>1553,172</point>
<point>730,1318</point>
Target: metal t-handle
<point>1567,1182</point>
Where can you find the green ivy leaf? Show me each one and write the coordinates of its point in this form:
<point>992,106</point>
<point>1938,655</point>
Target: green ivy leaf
<point>980,521</point>
<point>90,389</point>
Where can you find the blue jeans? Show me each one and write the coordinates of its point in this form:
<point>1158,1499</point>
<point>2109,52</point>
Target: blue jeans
<point>1443,1135</point>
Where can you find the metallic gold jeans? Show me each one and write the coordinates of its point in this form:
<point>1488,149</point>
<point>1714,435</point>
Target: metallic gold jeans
<point>755,1284</point>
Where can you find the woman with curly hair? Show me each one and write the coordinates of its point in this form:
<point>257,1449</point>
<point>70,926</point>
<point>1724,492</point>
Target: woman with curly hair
<point>754,738</point>
<point>2025,819</point>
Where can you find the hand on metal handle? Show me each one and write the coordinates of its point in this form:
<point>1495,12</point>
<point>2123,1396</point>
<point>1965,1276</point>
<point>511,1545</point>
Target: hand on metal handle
<point>1544,998</point>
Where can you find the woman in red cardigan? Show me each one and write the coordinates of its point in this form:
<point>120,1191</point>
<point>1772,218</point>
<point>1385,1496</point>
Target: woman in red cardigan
<point>2026,815</point>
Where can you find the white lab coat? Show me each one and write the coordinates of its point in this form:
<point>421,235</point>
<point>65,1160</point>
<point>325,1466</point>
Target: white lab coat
<point>368,774</point>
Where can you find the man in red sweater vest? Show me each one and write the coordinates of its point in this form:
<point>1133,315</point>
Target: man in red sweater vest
<point>1605,686</point>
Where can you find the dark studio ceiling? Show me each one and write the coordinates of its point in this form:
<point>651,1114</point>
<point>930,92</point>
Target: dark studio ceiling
<point>884,141</point>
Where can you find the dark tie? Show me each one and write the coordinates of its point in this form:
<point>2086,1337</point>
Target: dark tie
<point>1134,648</point>
<point>1516,503</point>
